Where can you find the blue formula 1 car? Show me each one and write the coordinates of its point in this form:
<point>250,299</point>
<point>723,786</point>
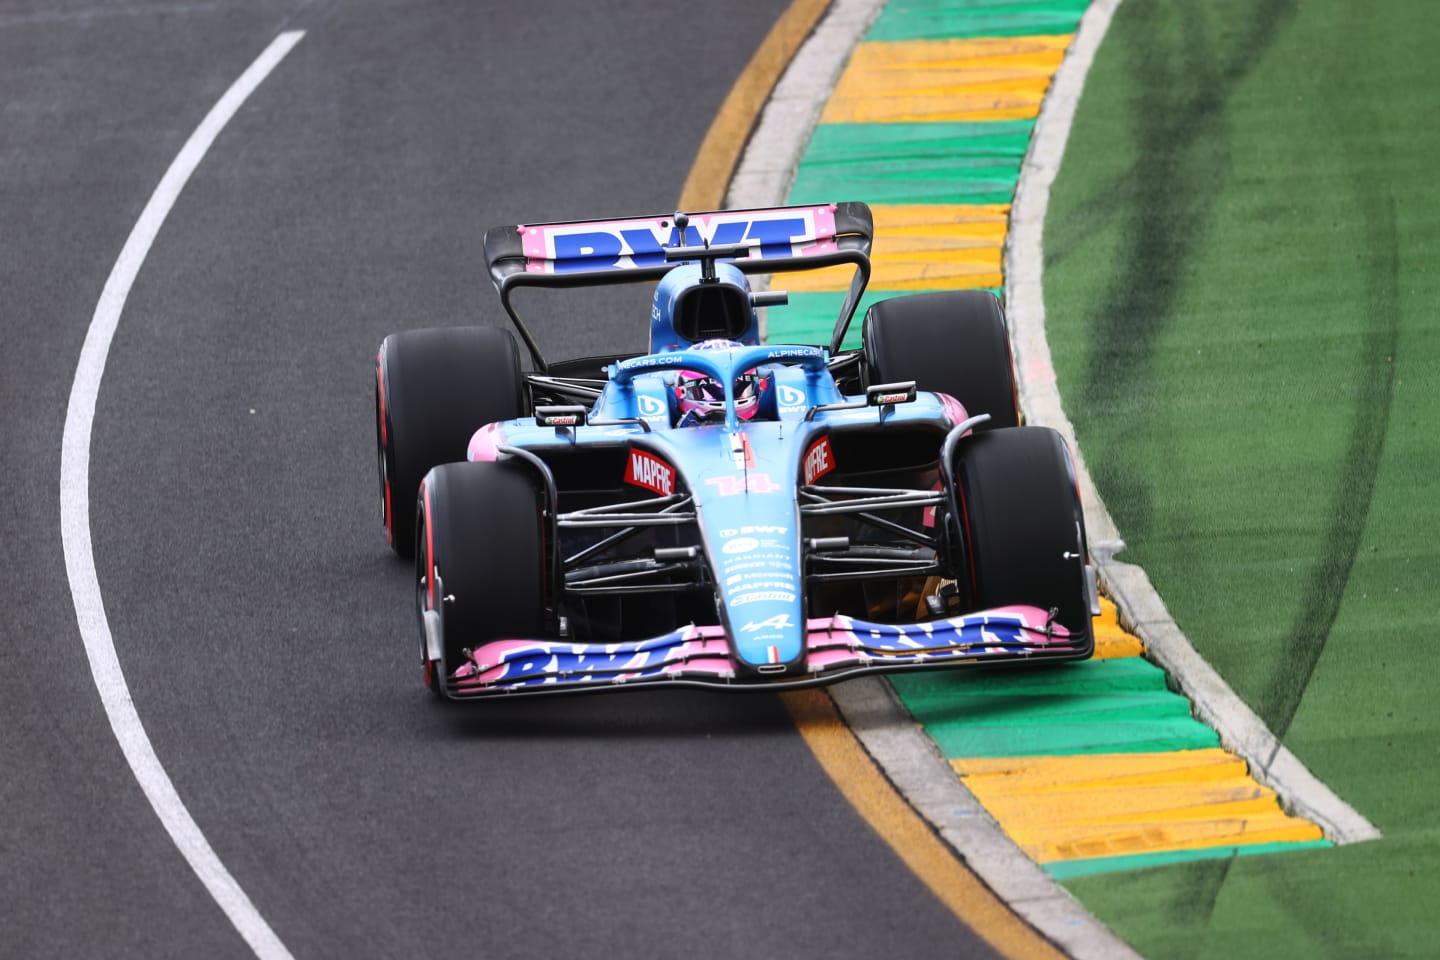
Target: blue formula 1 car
<point>720,512</point>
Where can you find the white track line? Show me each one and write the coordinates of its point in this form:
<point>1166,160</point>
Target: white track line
<point>75,519</point>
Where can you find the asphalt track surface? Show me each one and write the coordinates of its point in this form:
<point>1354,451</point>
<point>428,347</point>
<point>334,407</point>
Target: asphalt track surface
<point>265,631</point>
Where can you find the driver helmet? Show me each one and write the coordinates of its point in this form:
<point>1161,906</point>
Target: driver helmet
<point>701,398</point>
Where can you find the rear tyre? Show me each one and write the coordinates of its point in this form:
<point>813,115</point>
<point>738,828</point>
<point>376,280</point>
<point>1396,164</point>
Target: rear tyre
<point>433,390</point>
<point>951,342</point>
<point>479,559</point>
<point>1023,525</point>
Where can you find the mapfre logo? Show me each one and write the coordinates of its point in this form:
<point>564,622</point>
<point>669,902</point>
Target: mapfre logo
<point>652,473</point>
<point>818,460</point>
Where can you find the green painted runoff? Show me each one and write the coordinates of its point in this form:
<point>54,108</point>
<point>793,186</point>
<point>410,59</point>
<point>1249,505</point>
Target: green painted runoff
<point>1241,285</point>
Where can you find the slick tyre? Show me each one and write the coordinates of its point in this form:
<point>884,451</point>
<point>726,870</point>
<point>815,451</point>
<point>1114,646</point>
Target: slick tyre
<point>952,342</point>
<point>479,559</point>
<point>433,390</point>
<point>1022,524</point>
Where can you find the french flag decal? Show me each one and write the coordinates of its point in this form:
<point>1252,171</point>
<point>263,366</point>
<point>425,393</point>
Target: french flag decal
<point>772,654</point>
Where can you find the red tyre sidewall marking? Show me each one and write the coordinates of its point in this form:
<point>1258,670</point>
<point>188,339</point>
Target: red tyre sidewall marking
<point>384,443</point>
<point>431,671</point>
<point>429,546</point>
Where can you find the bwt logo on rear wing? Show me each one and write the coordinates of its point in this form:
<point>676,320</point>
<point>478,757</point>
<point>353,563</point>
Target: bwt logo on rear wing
<point>590,245</point>
<point>586,253</point>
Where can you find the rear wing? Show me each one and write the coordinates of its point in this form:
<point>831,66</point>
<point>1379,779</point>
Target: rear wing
<point>601,252</point>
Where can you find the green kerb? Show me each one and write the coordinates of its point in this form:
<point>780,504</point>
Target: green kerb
<point>961,19</point>
<point>1069,869</point>
<point>901,163</point>
<point>1100,706</point>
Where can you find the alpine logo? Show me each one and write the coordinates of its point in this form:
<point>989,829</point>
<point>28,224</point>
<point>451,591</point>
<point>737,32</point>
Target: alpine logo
<point>818,460</point>
<point>778,622</point>
<point>652,473</point>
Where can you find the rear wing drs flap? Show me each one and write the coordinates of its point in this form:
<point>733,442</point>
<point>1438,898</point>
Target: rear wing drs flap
<point>601,252</point>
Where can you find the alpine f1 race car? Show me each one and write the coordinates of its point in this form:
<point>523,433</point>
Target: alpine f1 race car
<point>721,512</point>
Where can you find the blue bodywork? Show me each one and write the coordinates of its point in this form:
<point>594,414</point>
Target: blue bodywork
<point>743,480</point>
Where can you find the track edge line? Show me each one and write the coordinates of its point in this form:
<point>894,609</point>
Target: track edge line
<point>81,575</point>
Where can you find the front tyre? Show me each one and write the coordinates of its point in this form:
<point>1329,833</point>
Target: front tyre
<point>479,560</point>
<point>433,390</point>
<point>1023,525</point>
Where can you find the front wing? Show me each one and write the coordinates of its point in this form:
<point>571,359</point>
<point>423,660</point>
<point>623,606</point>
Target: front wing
<point>836,648</point>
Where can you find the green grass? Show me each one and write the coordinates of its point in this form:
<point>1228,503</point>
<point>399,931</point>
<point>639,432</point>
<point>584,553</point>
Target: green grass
<point>1242,293</point>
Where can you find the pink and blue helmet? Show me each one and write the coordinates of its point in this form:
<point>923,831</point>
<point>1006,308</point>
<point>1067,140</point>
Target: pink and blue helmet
<point>700,398</point>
